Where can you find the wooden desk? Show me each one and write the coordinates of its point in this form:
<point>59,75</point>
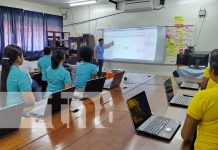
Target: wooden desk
<point>118,134</point>
<point>157,80</point>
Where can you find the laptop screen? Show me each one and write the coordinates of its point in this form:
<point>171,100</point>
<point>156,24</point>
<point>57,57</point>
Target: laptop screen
<point>117,79</point>
<point>139,108</point>
<point>169,89</point>
<point>10,117</point>
<point>95,85</point>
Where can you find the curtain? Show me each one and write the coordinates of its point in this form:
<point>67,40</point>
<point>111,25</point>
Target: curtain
<point>2,42</point>
<point>27,29</point>
<point>52,23</point>
<point>11,21</point>
<point>33,32</point>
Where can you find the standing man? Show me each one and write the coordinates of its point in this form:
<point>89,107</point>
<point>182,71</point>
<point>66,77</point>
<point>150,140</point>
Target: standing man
<point>99,54</point>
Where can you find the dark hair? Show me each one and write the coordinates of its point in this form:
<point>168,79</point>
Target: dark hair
<point>100,40</point>
<point>47,51</point>
<point>56,58</point>
<point>214,61</point>
<point>86,53</point>
<point>10,54</point>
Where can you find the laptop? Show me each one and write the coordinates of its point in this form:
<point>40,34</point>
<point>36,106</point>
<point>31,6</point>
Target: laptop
<point>72,60</point>
<point>115,82</point>
<point>176,100</point>
<point>186,85</point>
<point>53,104</point>
<point>93,87</point>
<point>10,117</point>
<point>146,123</point>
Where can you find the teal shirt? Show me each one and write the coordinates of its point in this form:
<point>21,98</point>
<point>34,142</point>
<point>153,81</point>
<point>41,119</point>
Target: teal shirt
<point>84,73</point>
<point>57,78</point>
<point>43,64</point>
<point>17,82</point>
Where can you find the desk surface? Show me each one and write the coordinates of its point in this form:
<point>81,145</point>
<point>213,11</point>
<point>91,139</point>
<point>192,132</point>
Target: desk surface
<point>94,128</point>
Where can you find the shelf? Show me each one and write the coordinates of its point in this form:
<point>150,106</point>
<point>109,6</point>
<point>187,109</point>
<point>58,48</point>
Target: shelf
<point>57,32</point>
<point>57,39</point>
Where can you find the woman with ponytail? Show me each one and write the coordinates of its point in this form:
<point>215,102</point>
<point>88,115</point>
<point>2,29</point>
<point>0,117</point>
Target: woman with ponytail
<point>15,84</point>
<point>57,76</point>
<point>202,113</point>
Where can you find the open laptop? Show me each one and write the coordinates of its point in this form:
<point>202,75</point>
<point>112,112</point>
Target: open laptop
<point>175,99</point>
<point>54,103</point>
<point>115,82</point>
<point>186,85</point>
<point>10,117</point>
<point>72,60</point>
<point>93,87</point>
<point>149,124</point>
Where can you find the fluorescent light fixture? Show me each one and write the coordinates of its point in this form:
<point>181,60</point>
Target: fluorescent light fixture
<point>186,2</point>
<point>75,1</point>
<point>79,3</point>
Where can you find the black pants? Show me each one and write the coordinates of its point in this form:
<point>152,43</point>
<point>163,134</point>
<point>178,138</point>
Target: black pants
<point>100,65</point>
<point>44,86</point>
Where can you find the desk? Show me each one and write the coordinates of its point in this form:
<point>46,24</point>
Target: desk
<point>101,131</point>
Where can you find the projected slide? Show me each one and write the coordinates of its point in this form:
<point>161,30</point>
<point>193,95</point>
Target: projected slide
<point>131,43</point>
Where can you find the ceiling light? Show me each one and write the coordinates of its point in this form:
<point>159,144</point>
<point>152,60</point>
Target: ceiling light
<point>75,1</point>
<point>79,3</point>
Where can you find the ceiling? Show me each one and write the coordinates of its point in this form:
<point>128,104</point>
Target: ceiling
<point>60,3</point>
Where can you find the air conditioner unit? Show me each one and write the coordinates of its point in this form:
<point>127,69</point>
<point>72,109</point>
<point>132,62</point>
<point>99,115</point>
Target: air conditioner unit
<point>138,5</point>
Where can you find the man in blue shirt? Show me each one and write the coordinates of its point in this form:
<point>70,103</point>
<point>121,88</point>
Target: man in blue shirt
<point>99,54</point>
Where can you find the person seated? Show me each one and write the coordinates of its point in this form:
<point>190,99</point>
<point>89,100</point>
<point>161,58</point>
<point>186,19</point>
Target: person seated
<point>29,70</point>
<point>207,82</point>
<point>202,113</point>
<point>86,70</point>
<point>15,84</point>
<point>57,76</point>
<point>43,65</point>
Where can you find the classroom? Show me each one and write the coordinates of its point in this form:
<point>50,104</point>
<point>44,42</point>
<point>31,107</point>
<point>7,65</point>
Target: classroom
<point>108,75</point>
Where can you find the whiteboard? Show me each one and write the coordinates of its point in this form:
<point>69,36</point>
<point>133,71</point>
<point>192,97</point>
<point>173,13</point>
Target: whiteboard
<point>143,45</point>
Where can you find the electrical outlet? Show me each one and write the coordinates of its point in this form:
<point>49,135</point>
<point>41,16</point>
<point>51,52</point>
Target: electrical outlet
<point>202,13</point>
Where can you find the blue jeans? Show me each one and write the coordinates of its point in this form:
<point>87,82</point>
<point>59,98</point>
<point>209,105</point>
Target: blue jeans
<point>36,91</point>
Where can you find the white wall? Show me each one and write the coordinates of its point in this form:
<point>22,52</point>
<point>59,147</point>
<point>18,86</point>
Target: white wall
<point>30,6</point>
<point>187,8</point>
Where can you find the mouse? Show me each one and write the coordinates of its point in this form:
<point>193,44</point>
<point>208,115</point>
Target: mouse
<point>26,114</point>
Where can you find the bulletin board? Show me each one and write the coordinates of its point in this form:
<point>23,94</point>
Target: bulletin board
<point>176,40</point>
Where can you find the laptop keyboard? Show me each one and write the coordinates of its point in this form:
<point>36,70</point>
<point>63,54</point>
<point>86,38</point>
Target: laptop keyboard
<point>156,126</point>
<point>192,85</point>
<point>181,100</point>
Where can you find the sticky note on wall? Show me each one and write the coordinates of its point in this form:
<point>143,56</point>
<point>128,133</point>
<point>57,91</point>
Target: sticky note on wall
<point>179,21</point>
